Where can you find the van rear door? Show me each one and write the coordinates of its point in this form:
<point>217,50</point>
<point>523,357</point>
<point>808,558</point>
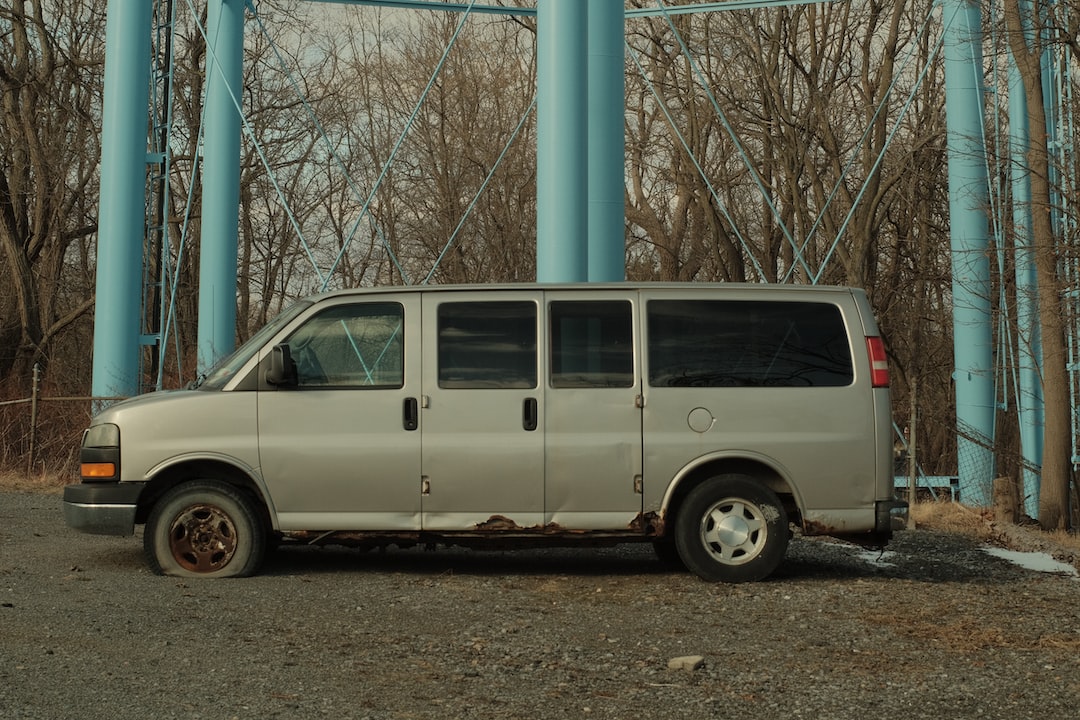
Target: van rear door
<point>592,413</point>
<point>768,376</point>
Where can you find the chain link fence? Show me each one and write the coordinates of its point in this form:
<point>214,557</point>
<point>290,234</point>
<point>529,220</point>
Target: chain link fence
<point>41,434</point>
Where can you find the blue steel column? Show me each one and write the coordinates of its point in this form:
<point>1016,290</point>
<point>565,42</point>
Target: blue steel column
<point>561,161</point>
<point>969,202</point>
<point>122,199</point>
<point>607,159</point>
<point>1030,400</point>
<point>221,182</point>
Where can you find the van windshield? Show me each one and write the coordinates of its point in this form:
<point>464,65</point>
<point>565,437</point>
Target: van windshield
<point>216,377</point>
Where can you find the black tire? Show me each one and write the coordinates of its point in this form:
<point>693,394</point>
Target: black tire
<point>205,528</point>
<point>732,529</point>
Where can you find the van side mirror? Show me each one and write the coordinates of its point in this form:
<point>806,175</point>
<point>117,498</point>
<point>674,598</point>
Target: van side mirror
<point>282,370</point>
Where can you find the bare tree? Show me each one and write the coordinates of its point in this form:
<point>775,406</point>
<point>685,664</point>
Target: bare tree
<point>50,62</point>
<point>462,140</point>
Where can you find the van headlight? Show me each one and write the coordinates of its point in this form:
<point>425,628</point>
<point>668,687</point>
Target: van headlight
<point>102,436</point>
<point>99,458</point>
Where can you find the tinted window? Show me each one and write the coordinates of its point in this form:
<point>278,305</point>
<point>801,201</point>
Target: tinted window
<point>708,343</point>
<point>351,346</point>
<point>487,345</point>
<point>592,344</point>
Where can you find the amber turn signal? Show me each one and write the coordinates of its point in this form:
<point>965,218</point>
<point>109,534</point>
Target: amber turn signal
<point>98,470</point>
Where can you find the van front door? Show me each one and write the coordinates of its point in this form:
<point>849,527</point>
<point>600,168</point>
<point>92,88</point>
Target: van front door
<point>341,449</point>
<point>483,435</point>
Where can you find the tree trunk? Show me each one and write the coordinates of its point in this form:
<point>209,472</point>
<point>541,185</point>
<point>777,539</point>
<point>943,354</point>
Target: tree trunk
<point>1057,437</point>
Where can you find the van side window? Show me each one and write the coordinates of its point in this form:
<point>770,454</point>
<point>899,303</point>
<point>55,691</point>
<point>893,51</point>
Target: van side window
<point>487,344</point>
<point>592,344</point>
<point>351,346</point>
<point>721,343</point>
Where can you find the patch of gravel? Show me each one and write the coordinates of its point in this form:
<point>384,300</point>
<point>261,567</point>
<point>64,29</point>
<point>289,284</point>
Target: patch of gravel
<point>934,629</point>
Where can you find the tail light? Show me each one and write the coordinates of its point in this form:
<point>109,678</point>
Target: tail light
<point>879,364</point>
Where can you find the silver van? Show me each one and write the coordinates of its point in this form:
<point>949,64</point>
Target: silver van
<point>706,419</point>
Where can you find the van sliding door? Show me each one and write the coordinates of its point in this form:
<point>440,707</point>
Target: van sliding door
<point>482,412</point>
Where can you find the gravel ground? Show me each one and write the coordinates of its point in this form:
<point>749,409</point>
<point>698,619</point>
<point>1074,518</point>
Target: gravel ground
<point>936,628</point>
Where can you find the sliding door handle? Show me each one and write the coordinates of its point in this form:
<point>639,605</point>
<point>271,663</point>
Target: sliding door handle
<point>529,415</point>
<point>411,414</point>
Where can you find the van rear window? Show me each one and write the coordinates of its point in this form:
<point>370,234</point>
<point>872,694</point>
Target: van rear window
<point>731,343</point>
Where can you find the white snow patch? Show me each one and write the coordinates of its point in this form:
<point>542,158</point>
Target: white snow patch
<point>1038,561</point>
<point>876,557</point>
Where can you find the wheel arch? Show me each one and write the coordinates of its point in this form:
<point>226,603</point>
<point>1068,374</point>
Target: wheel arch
<point>166,478</point>
<point>757,467</point>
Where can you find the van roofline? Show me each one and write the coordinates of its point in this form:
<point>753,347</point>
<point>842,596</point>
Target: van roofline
<point>581,286</point>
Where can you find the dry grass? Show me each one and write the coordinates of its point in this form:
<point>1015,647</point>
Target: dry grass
<point>49,483</point>
<point>952,517</point>
<point>1066,539</point>
<point>980,524</point>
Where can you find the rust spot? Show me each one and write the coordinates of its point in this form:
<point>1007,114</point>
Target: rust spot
<point>497,522</point>
<point>347,537</point>
<point>650,523</point>
<point>812,527</point>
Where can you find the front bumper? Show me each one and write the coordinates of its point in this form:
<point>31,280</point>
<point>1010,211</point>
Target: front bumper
<point>102,508</point>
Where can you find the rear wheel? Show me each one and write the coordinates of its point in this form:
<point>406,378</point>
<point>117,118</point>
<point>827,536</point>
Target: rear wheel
<point>205,528</point>
<point>731,529</point>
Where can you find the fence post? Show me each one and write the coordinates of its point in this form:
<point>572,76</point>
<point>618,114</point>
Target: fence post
<point>913,460</point>
<point>33,419</point>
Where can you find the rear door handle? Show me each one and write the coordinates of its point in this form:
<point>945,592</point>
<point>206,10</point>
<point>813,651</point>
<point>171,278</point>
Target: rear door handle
<point>411,414</point>
<point>529,415</point>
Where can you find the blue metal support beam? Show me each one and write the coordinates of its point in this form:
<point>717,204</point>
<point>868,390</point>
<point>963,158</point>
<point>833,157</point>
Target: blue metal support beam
<point>561,131</point>
<point>1029,400</point>
<point>221,182</point>
<point>969,203</point>
<point>606,138</point>
<point>122,199</point>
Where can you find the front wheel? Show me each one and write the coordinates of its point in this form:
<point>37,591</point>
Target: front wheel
<point>731,529</point>
<point>205,528</point>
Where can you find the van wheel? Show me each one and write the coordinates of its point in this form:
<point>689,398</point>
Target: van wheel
<point>731,529</point>
<point>205,528</point>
